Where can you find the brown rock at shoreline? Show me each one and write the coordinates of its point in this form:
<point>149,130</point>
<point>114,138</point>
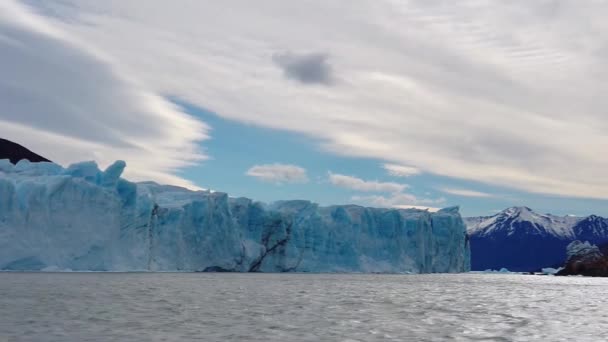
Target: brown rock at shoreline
<point>585,259</point>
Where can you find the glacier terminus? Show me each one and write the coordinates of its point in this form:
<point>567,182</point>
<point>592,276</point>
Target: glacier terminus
<point>83,219</point>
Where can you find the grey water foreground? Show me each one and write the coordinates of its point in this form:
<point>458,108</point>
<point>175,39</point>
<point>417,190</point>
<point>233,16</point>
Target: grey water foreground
<point>300,307</point>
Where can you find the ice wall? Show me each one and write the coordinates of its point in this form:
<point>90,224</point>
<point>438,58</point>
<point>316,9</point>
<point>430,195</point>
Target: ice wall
<point>81,218</point>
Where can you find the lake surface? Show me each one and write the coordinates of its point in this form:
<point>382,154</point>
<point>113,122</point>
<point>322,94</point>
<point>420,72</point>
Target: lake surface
<point>300,307</point>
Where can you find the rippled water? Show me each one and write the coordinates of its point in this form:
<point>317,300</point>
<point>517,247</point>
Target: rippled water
<point>300,307</point>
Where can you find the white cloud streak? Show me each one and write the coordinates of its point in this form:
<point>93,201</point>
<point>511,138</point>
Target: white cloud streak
<point>401,170</point>
<point>399,200</point>
<point>278,173</point>
<point>358,184</point>
<point>396,197</point>
<point>466,192</point>
<point>501,92</point>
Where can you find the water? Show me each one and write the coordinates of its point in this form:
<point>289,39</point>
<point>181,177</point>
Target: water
<point>300,307</point>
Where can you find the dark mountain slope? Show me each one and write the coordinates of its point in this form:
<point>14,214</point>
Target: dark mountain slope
<point>15,152</point>
<point>521,240</point>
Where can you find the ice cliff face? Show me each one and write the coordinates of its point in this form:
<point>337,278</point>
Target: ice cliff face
<point>81,218</point>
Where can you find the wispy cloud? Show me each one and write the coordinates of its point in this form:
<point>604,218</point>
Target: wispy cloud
<point>358,184</point>
<point>66,100</point>
<point>399,200</point>
<point>401,170</point>
<point>395,195</point>
<point>456,88</point>
<point>278,173</point>
<point>465,192</point>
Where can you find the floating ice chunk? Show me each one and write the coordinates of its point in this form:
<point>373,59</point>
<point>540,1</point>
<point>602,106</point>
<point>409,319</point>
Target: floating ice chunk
<point>579,249</point>
<point>550,270</point>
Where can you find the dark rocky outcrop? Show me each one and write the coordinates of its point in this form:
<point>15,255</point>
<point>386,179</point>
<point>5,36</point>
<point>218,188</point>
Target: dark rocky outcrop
<point>15,152</point>
<point>585,259</point>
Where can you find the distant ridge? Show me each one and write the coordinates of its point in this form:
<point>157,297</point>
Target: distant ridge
<point>520,239</point>
<point>15,152</point>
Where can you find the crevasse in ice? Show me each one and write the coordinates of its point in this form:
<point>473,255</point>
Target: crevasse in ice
<point>81,218</point>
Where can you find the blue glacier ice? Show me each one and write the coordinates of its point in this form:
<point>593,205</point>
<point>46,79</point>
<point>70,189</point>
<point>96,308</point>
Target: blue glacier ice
<point>82,218</point>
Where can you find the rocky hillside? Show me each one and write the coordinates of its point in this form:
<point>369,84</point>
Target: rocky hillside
<point>15,152</point>
<point>520,239</point>
<point>585,259</point>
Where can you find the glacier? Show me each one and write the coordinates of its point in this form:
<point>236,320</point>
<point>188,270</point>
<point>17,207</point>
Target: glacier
<point>84,219</point>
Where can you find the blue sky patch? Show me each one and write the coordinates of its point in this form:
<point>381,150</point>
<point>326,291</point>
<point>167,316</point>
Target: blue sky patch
<point>236,147</point>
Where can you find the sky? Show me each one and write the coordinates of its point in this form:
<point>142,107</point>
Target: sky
<point>422,103</point>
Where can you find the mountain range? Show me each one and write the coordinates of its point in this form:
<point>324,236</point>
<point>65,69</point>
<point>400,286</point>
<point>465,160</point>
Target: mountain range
<point>520,239</point>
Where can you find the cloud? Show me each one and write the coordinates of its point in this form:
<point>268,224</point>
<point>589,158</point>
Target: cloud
<point>278,173</point>
<point>508,93</point>
<point>420,207</point>
<point>401,170</point>
<point>358,184</point>
<point>399,200</point>
<point>465,192</point>
<point>396,197</point>
<point>311,68</point>
<point>65,100</point>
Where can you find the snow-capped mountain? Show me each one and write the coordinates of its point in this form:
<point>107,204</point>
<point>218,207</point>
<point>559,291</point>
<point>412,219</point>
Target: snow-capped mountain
<point>592,228</point>
<point>522,240</point>
<point>511,219</point>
